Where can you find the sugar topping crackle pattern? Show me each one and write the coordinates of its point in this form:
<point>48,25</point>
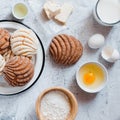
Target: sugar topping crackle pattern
<point>66,49</point>
<point>9,54</point>
<point>18,71</point>
<point>4,41</point>
<point>24,42</point>
<point>2,64</point>
<point>16,51</point>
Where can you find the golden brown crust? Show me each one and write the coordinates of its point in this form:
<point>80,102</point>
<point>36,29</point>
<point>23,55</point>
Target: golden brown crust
<point>66,41</point>
<point>54,49</point>
<point>65,49</point>
<point>78,53</point>
<point>4,41</point>
<point>18,71</point>
<point>72,50</point>
<point>59,49</point>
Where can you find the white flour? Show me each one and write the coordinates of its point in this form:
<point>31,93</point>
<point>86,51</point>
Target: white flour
<point>55,105</point>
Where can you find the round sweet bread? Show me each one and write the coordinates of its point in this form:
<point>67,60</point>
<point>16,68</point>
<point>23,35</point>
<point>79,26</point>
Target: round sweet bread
<point>18,71</point>
<point>24,42</point>
<point>9,54</point>
<point>4,41</point>
<point>2,64</point>
<point>65,49</point>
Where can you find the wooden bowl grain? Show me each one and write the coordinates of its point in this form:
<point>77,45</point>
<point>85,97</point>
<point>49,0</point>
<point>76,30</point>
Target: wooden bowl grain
<point>72,99</point>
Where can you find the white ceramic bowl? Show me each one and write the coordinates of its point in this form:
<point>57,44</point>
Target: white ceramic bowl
<point>20,10</point>
<point>86,89</point>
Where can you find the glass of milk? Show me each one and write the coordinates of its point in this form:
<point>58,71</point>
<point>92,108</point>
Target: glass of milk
<point>107,12</point>
<point>20,11</point>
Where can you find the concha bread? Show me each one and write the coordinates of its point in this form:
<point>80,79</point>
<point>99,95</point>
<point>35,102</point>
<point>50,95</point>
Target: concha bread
<point>4,41</point>
<point>65,49</point>
<point>2,63</point>
<point>18,71</point>
<point>24,42</point>
<point>9,54</point>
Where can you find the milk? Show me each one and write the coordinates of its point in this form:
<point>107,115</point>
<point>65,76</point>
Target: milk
<point>108,11</point>
<point>20,10</point>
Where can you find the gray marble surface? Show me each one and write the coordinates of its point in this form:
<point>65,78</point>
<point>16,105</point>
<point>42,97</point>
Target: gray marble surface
<point>102,106</point>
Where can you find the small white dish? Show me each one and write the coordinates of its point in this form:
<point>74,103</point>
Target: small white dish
<point>110,54</point>
<point>86,88</point>
<point>20,11</point>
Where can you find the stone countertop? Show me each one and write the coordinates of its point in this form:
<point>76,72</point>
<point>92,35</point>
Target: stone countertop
<point>102,106</point>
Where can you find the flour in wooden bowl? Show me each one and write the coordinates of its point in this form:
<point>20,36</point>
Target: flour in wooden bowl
<point>55,105</point>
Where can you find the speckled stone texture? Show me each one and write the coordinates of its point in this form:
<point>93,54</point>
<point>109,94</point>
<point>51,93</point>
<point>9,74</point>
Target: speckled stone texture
<point>102,106</point>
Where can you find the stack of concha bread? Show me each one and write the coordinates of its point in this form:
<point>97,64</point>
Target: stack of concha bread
<point>16,51</point>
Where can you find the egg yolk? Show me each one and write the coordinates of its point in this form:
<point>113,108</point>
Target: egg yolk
<point>89,78</point>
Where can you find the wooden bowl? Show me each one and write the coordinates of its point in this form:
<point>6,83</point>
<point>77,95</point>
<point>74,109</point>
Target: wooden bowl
<point>72,99</point>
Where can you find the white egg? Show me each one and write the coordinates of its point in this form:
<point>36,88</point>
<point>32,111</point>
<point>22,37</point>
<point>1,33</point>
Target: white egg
<point>96,41</point>
<point>110,54</point>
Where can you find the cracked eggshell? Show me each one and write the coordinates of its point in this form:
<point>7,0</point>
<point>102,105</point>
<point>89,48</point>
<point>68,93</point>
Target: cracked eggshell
<point>110,54</point>
<point>96,41</point>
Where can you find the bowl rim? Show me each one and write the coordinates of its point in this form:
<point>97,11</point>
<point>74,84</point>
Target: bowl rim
<point>99,88</point>
<point>13,13</point>
<point>69,94</point>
